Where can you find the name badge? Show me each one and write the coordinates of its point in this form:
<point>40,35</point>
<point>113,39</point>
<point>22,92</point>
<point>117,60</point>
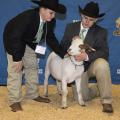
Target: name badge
<point>40,49</point>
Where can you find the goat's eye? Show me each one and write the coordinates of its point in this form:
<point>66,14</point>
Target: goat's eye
<point>80,46</point>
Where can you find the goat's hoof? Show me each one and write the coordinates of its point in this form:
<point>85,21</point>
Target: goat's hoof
<point>64,107</point>
<point>82,103</point>
<point>60,94</point>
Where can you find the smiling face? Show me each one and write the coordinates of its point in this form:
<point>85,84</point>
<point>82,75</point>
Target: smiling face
<point>47,14</point>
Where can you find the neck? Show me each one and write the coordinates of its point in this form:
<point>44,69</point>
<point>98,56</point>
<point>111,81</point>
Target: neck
<point>75,62</point>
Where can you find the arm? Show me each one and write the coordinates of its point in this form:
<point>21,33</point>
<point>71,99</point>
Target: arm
<point>101,47</point>
<point>67,39</point>
<point>52,41</point>
<point>13,33</point>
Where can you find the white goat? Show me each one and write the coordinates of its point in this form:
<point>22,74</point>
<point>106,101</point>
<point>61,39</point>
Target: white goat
<point>66,70</point>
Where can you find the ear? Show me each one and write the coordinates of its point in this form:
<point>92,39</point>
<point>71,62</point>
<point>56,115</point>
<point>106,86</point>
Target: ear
<point>82,46</point>
<point>89,48</point>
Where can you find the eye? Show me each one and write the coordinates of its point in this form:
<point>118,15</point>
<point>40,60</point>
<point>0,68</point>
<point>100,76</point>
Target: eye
<point>81,46</point>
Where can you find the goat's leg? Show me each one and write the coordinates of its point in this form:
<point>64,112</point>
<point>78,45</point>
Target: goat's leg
<point>64,94</point>
<point>59,87</point>
<point>78,88</point>
<point>47,73</point>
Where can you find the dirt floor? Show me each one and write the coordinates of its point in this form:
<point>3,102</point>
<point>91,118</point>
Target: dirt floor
<point>42,111</point>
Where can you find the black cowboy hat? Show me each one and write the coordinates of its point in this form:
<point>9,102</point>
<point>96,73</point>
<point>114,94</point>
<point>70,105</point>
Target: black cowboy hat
<point>51,4</point>
<point>92,10</point>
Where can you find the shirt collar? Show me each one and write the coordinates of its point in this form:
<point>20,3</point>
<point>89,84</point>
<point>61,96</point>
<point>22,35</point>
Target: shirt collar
<point>41,20</point>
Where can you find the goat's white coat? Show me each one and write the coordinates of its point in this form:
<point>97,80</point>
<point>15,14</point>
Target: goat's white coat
<point>65,70</point>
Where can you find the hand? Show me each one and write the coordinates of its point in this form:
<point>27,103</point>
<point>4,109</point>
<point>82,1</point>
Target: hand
<point>81,57</point>
<point>76,37</point>
<point>18,66</point>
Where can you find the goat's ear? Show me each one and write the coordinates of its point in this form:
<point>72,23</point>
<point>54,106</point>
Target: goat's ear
<point>88,48</point>
<point>82,46</point>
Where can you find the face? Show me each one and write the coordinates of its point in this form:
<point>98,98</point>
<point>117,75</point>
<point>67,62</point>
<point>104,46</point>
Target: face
<point>75,49</point>
<point>87,22</point>
<point>47,14</point>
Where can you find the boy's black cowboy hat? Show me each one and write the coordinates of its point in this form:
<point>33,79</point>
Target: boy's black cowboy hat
<point>51,4</point>
<point>91,10</point>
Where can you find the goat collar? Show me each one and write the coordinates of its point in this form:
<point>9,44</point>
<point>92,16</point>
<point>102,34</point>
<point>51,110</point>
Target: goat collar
<point>75,63</point>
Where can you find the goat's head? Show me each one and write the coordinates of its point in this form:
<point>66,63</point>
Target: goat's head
<point>75,49</point>
<point>78,46</point>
